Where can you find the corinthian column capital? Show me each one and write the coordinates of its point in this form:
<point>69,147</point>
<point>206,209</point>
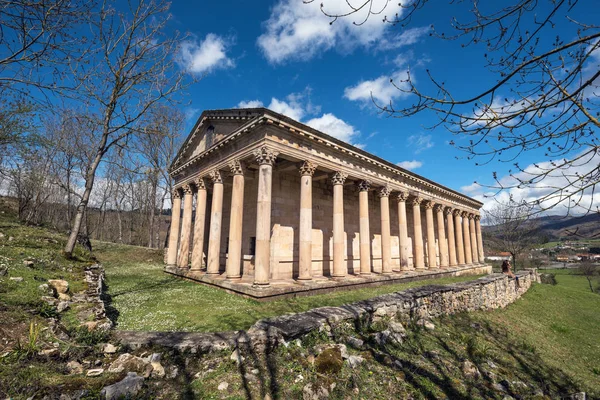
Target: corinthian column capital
<point>416,201</point>
<point>308,168</point>
<point>448,210</point>
<point>439,208</point>
<point>265,156</point>
<point>236,167</point>
<point>364,185</point>
<point>176,193</point>
<point>215,176</point>
<point>187,189</point>
<point>338,178</point>
<point>384,191</point>
<point>429,204</point>
<point>200,184</point>
<point>402,196</point>
<point>457,212</point>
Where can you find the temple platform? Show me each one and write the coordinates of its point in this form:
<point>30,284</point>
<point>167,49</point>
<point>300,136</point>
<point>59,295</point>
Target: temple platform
<point>279,289</point>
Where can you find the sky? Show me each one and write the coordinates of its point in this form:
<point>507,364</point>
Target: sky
<point>285,55</point>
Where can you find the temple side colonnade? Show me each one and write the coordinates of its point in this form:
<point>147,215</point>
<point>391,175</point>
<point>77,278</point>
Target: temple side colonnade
<point>466,225</point>
<point>415,230</point>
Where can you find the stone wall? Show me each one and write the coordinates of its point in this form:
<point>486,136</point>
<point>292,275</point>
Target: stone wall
<point>423,303</point>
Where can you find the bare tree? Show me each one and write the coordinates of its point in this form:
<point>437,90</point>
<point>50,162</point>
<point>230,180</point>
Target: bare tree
<point>511,228</point>
<point>590,271</point>
<point>545,95</point>
<point>128,69</point>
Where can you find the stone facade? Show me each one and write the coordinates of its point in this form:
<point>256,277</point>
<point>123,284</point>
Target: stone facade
<point>262,200</point>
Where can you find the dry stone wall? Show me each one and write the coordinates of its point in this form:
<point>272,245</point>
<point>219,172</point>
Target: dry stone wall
<point>418,304</point>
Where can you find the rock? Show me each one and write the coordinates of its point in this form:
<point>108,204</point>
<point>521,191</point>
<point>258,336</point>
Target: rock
<point>10,238</point>
<point>155,357</point>
<point>397,327</point>
<point>95,372</point>
<point>60,285</point>
<point>577,396</point>
<point>2,235</point>
<point>318,393</point>
<point>46,290</point>
<point>426,324</point>
<point>74,368</point>
<point>98,362</point>
<point>236,356</point>
<point>329,361</point>
<point>16,279</point>
<point>355,342</point>
<point>109,348</point>
<point>49,352</point>
<point>130,363</point>
<point>298,379</point>
<point>255,371</point>
<point>311,359</point>
<point>223,386</point>
<point>499,387</point>
<point>158,371</point>
<point>354,361</point>
<point>3,270</point>
<point>387,337</point>
<point>127,388</point>
<point>470,370</point>
<point>90,325</point>
<point>28,263</point>
<point>173,372</point>
<point>64,297</point>
<point>51,301</point>
<point>62,306</point>
<point>342,347</point>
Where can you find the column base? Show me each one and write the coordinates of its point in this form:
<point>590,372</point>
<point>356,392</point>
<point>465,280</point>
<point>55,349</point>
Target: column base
<point>233,278</point>
<point>261,285</point>
<point>212,273</point>
<point>338,277</point>
<point>304,278</point>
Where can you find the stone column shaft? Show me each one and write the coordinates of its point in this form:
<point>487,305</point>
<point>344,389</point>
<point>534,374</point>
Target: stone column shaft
<point>199,223</point>
<point>442,237</point>
<point>340,269</point>
<point>305,268</point>
<point>174,232</point>
<point>479,239</point>
<point>365,234</point>
<point>386,250</point>
<point>186,227</point>
<point>216,216</point>
<point>467,239</point>
<point>431,253</point>
<point>460,250</point>
<point>403,231</point>
<point>418,256</point>
<point>473,239</point>
<point>266,158</point>
<point>451,241</point>
<point>234,258</point>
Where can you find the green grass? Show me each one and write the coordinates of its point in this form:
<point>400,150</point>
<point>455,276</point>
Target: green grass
<point>143,297</point>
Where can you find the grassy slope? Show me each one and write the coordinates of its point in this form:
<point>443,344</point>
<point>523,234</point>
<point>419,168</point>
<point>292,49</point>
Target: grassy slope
<point>146,298</point>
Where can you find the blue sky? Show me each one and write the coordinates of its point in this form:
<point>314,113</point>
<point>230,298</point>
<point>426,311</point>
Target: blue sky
<point>286,56</point>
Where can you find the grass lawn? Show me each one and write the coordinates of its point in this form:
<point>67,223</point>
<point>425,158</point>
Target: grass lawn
<point>145,298</point>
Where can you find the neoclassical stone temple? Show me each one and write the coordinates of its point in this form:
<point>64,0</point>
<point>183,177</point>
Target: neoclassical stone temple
<point>272,207</point>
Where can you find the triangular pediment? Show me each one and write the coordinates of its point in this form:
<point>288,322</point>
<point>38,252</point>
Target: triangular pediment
<point>212,127</point>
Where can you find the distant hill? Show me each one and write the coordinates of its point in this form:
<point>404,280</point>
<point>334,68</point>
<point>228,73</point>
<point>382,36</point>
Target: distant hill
<point>554,227</point>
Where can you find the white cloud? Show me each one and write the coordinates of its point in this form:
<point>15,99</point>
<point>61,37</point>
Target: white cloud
<point>333,126</point>
<point>250,104</point>
<point>562,182</point>
<point>406,38</point>
<point>205,56</point>
<point>420,142</point>
<point>410,165</point>
<point>291,109</point>
<point>472,188</point>
<point>298,30</point>
<point>380,89</point>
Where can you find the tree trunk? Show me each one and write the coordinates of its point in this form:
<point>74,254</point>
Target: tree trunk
<point>590,283</point>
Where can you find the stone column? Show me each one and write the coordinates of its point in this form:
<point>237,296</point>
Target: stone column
<point>198,247</point>
<point>418,256</point>
<point>473,239</point>
<point>467,238</point>
<point>305,227</point>
<point>403,231</point>
<point>186,227</point>
<point>479,239</point>
<point>386,250</point>
<point>262,266</point>
<point>431,254</point>
<point>174,232</point>
<point>365,234</point>
<point>460,249</point>
<point>234,258</point>
<point>216,215</point>
<point>340,269</point>
<point>439,209</point>
<point>451,241</point>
